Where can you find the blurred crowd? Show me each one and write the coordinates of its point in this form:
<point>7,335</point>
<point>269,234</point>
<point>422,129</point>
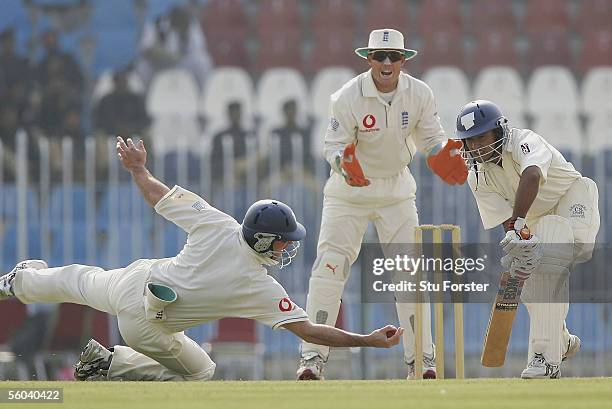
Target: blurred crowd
<point>51,95</point>
<point>54,91</point>
<point>48,98</point>
<point>44,97</point>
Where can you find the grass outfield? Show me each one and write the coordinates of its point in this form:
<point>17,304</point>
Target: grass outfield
<point>571,393</point>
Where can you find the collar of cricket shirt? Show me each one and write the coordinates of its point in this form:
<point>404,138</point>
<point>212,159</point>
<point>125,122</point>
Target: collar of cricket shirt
<point>368,89</point>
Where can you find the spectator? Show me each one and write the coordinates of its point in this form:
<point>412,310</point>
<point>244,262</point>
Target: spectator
<point>290,130</point>
<point>58,116</point>
<point>15,107</point>
<point>122,112</point>
<point>238,136</point>
<point>68,70</point>
<point>73,128</point>
<point>174,41</point>
<point>9,124</point>
<point>14,77</point>
<point>60,91</point>
<point>57,96</point>
<point>59,102</point>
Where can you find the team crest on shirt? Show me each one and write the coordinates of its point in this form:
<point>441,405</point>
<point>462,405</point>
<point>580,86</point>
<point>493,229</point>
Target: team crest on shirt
<point>285,305</point>
<point>264,241</point>
<point>404,119</point>
<point>198,206</point>
<point>334,124</point>
<point>577,210</point>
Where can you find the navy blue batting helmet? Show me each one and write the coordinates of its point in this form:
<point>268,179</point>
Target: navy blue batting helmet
<point>268,221</point>
<point>478,117</point>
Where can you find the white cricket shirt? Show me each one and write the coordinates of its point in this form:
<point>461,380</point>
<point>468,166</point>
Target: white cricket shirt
<point>387,134</point>
<point>495,190</point>
<point>216,274</point>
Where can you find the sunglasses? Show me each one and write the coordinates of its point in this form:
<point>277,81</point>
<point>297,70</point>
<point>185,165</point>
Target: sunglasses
<point>381,55</point>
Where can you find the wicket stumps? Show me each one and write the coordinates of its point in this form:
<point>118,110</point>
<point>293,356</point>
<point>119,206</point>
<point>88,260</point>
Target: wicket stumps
<point>437,232</point>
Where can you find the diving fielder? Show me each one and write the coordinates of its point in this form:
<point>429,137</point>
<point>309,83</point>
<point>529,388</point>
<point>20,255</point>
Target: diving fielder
<point>219,273</point>
<point>518,180</point>
<point>376,119</point>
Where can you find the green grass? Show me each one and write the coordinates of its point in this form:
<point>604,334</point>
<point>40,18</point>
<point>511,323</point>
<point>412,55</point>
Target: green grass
<point>571,393</point>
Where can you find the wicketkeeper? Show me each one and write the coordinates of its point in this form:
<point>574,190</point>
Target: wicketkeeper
<point>518,180</point>
<point>219,273</point>
<point>378,120</point>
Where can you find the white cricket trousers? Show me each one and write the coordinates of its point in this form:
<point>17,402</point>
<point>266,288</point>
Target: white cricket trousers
<point>153,353</point>
<point>343,226</point>
<point>548,334</point>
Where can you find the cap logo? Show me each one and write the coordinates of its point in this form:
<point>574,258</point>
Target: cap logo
<point>467,120</point>
<point>385,36</point>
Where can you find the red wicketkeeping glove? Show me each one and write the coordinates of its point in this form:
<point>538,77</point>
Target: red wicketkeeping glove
<point>351,169</point>
<point>448,163</point>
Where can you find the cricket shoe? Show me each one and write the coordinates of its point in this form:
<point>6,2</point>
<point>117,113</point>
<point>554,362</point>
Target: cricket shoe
<point>94,362</point>
<point>429,368</point>
<point>6,281</point>
<point>538,368</point>
<point>311,369</point>
<point>573,346</point>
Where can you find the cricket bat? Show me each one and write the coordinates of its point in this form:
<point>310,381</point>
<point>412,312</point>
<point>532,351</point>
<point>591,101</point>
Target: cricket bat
<point>502,316</point>
<point>501,320</point>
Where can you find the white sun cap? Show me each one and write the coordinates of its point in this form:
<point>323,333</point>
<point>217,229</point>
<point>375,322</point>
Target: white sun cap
<point>385,39</point>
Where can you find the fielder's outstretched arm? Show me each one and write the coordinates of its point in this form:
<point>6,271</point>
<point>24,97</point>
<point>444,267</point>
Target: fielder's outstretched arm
<point>133,158</point>
<point>385,337</point>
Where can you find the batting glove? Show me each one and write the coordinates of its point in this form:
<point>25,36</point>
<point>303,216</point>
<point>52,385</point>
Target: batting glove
<point>520,269</point>
<point>519,242</point>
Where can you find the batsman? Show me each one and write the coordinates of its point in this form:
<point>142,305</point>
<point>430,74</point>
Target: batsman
<point>377,121</point>
<point>520,180</point>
